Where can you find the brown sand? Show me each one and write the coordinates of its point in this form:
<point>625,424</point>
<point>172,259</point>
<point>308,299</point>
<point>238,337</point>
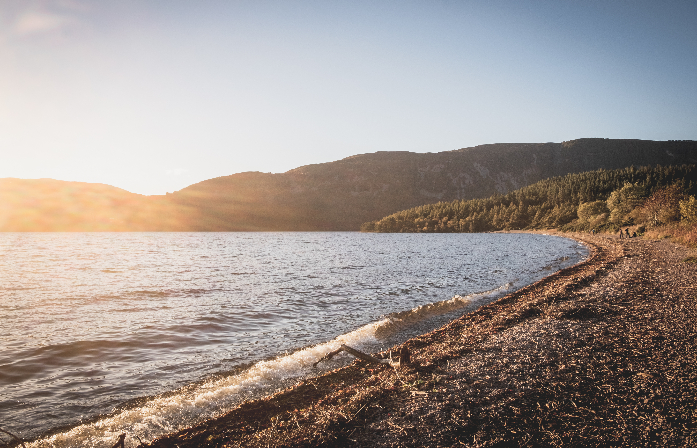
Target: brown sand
<point>599,354</point>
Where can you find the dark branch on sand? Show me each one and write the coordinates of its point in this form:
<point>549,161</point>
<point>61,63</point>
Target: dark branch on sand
<point>120,443</point>
<point>404,357</point>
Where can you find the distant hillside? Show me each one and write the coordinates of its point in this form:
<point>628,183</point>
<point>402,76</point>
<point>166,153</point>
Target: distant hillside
<point>578,201</point>
<point>47,205</point>
<point>338,195</point>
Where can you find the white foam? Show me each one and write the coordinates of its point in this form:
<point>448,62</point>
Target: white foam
<point>396,321</point>
<point>171,412</point>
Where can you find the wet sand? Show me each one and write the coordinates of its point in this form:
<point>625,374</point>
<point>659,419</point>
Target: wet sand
<point>599,354</point>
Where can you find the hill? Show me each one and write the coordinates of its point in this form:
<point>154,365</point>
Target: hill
<point>47,205</point>
<point>600,199</point>
<point>338,195</point>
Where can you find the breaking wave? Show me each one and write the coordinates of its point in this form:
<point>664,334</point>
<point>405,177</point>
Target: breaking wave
<point>194,403</point>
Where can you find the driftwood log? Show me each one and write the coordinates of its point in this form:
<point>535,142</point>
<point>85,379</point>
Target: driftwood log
<point>404,356</point>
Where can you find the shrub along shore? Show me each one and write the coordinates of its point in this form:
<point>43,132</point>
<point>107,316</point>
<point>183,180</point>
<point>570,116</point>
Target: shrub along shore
<point>598,354</point>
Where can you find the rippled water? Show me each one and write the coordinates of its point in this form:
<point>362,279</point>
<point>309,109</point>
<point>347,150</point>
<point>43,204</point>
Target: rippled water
<point>103,333</point>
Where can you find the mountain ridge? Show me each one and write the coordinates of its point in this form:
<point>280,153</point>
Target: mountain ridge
<point>331,196</point>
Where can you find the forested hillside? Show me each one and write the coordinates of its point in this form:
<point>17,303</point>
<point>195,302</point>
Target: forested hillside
<point>601,199</point>
<point>338,195</point>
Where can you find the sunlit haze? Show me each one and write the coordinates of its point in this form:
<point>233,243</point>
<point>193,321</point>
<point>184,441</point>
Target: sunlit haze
<point>152,96</point>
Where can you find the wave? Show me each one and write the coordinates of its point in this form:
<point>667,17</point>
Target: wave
<point>192,404</point>
<point>396,321</point>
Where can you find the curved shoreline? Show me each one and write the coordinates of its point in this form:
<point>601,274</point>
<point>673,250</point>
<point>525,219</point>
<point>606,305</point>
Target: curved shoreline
<point>597,354</point>
<point>319,411</point>
<point>361,404</point>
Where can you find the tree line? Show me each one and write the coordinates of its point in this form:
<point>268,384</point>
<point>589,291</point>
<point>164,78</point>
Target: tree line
<point>603,200</point>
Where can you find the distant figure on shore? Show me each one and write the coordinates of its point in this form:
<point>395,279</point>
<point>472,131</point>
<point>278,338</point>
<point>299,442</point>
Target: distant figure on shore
<point>621,234</point>
<point>633,234</point>
<point>626,231</point>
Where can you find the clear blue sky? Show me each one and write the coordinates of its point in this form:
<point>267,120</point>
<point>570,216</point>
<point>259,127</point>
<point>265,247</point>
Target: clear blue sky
<point>152,96</point>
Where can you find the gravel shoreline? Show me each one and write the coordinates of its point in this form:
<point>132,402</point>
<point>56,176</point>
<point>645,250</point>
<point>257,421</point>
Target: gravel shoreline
<point>598,354</point>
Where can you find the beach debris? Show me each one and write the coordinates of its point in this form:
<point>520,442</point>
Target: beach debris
<point>404,356</point>
<point>120,443</point>
<point>357,353</point>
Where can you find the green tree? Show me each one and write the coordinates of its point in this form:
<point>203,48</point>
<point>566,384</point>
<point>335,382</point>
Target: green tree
<point>589,210</point>
<point>688,210</point>
<point>622,201</point>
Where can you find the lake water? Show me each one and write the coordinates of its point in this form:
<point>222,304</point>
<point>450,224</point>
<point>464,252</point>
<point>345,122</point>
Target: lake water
<point>146,333</point>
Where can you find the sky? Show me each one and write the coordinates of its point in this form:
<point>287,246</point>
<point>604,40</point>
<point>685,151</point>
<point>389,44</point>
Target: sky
<point>154,95</point>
